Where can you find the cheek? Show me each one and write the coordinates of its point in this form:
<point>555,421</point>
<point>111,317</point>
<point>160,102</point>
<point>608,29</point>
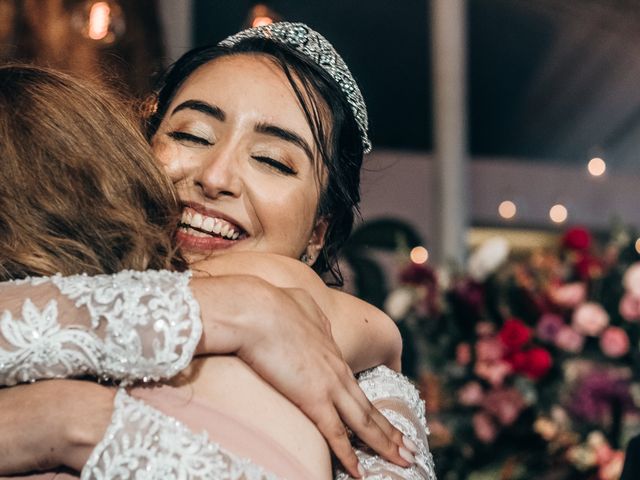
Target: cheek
<point>288,213</point>
<point>166,155</point>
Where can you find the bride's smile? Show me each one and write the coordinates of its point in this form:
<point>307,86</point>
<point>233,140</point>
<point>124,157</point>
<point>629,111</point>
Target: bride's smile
<point>239,148</point>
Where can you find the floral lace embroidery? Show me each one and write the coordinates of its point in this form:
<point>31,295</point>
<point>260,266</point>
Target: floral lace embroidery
<point>382,383</point>
<point>149,326</point>
<point>143,443</point>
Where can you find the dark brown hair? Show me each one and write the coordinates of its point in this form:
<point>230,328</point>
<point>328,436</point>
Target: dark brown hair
<point>79,188</point>
<point>337,138</point>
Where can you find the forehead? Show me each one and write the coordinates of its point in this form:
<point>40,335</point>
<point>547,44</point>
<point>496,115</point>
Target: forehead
<point>246,84</point>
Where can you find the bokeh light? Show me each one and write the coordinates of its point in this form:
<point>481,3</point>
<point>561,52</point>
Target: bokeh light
<point>597,166</point>
<point>558,213</point>
<point>507,209</point>
<point>419,255</point>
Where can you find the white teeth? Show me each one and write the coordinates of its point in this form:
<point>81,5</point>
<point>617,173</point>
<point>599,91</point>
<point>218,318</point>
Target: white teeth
<point>197,220</point>
<point>208,224</point>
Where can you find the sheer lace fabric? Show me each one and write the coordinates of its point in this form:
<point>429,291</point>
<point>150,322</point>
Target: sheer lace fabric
<point>399,401</point>
<point>143,443</point>
<point>127,326</point>
<point>145,326</point>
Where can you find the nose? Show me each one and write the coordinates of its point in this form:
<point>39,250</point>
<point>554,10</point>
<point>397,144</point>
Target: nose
<point>219,175</point>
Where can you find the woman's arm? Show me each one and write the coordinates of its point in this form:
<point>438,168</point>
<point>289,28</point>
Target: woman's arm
<point>366,336</point>
<point>51,423</point>
<point>321,365</point>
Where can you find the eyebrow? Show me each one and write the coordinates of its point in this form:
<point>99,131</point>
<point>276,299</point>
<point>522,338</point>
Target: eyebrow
<point>202,107</point>
<point>286,135</point>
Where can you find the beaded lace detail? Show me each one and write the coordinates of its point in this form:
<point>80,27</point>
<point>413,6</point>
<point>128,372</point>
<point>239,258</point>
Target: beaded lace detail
<point>399,401</point>
<point>143,443</point>
<point>127,326</point>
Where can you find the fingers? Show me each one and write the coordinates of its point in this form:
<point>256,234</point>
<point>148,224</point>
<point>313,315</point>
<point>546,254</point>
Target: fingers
<point>371,426</point>
<point>333,430</point>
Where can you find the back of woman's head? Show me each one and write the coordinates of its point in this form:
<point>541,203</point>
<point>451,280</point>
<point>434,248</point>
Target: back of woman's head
<point>79,189</point>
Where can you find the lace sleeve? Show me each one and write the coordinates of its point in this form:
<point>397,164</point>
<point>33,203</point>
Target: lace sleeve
<point>142,442</point>
<point>399,401</point>
<point>127,326</point>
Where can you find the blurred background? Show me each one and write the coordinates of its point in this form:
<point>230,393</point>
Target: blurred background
<point>500,207</point>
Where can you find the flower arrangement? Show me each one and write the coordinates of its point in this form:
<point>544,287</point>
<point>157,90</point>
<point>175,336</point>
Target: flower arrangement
<point>530,365</point>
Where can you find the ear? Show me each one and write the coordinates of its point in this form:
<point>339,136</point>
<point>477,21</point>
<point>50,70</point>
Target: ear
<point>316,242</point>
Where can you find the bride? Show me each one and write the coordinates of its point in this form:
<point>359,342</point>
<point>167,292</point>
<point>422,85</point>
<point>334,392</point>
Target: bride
<point>242,131</point>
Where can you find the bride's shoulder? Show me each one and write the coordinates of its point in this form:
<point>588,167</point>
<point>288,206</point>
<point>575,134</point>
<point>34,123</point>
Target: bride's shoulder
<point>374,332</point>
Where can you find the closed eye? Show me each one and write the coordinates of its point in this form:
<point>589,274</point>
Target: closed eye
<point>281,167</point>
<point>189,138</point>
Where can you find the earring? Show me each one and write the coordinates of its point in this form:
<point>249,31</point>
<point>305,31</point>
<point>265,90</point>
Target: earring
<point>307,258</point>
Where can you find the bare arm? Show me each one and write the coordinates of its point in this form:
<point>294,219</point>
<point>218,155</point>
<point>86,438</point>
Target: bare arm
<point>256,305</point>
<point>366,336</point>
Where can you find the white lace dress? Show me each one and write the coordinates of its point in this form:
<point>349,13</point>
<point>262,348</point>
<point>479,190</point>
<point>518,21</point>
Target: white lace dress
<point>144,326</point>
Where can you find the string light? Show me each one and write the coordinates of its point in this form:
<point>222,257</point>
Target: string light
<point>597,166</point>
<point>261,21</point>
<point>419,255</point>
<point>99,19</point>
<point>102,22</point>
<point>558,213</point>
<point>261,15</point>
<point>507,209</point>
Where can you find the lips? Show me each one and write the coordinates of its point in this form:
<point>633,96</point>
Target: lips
<point>204,230</point>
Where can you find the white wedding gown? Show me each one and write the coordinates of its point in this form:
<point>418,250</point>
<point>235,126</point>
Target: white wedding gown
<point>142,327</point>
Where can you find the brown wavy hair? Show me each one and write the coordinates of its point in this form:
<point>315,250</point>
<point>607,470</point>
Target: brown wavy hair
<point>79,188</point>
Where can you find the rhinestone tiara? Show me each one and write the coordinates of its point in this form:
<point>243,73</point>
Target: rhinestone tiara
<point>315,47</point>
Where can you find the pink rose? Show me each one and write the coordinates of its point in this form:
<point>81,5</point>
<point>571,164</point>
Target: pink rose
<point>484,427</point>
<point>493,372</point>
<point>505,404</point>
<point>548,326</point>
<point>614,342</point>
<point>569,295</point>
<point>463,353</point>
<point>630,307</point>
<point>484,329</point>
<point>590,319</point>
<point>569,340</point>
<point>471,394</point>
<point>631,280</point>
<point>489,349</point>
<point>612,469</point>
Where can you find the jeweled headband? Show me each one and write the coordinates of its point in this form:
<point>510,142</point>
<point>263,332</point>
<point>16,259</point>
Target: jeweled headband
<point>314,46</point>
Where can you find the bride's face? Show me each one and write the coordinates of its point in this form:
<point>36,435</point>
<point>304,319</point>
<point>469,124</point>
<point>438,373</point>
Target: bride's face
<point>237,144</point>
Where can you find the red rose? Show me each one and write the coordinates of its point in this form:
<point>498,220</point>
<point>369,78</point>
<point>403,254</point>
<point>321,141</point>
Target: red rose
<point>587,267</point>
<point>514,334</point>
<point>415,274</point>
<point>518,361</point>
<point>577,238</point>
<point>538,363</point>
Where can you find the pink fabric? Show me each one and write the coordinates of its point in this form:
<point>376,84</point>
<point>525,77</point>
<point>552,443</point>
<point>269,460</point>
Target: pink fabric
<point>230,433</point>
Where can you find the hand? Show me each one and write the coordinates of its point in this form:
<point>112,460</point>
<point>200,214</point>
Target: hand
<point>285,338</point>
<point>51,423</point>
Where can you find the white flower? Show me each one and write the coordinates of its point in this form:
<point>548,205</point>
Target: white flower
<point>487,258</point>
<point>399,302</point>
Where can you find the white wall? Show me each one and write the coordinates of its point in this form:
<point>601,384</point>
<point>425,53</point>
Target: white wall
<point>400,184</point>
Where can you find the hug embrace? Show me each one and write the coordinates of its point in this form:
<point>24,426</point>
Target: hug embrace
<point>182,285</point>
